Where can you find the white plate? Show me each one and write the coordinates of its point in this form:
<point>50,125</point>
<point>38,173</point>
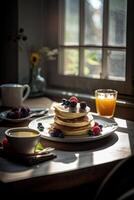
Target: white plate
<point>109,126</point>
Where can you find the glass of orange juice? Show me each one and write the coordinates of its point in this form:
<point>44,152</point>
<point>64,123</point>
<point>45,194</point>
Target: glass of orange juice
<point>106,102</point>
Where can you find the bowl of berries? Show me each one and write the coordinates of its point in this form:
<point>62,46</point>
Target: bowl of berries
<point>17,114</point>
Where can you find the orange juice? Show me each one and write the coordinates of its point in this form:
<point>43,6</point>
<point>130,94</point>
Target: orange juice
<point>106,103</point>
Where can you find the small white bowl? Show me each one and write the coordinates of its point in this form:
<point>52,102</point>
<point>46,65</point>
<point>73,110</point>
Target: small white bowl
<point>22,140</point>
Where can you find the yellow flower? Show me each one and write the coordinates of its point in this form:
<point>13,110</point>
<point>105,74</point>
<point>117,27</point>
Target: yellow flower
<point>35,58</point>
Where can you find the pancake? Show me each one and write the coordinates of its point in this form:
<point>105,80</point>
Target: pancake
<point>74,131</point>
<point>77,122</point>
<point>65,113</point>
<point>72,119</point>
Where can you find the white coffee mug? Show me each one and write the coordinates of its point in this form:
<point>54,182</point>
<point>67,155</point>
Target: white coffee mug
<point>13,95</point>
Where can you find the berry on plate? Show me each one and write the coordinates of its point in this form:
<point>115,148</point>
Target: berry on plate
<point>73,98</point>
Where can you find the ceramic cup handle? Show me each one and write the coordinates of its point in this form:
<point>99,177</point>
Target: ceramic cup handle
<point>26,89</point>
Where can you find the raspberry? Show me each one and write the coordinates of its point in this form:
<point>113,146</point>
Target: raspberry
<point>73,98</point>
<point>96,130</point>
<point>5,142</point>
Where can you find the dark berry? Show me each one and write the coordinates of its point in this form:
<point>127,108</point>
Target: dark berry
<point>10,115</point>
<point>28,109</point>
<point>73,104</point>
<point>24,112</point>
<point>41,128</point>
<point>101,126</point>
<point>83,105</point>
<point>56,133</point>
<point>67,103</point>
<point>39,124</point>
<point>25,109</point>
<point>64,101</point>
<point>17,115</point>
<point>61,135</point>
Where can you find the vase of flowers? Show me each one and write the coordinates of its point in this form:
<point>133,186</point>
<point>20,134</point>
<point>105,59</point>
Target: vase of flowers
<point>37,81</point>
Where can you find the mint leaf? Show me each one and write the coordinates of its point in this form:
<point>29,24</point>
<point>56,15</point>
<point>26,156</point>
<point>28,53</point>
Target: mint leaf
<point>39,147</point>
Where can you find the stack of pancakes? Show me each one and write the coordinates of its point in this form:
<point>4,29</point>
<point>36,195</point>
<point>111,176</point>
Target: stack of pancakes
<point>76,122</point>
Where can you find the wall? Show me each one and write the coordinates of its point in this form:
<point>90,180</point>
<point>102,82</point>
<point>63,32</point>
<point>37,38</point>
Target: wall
<point>32,19</point>
<point>8,50</point>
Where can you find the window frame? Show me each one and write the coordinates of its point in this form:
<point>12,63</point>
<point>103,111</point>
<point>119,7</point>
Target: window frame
<point>84,84</point>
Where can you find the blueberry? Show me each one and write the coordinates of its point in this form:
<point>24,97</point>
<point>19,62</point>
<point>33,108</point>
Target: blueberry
<point>101,126</point>
<point>54,134</point>
<point>67,103</point>
<point>64,101</point>
<point>41,128</point>
<point>39,124</point>
<point>61,135</point>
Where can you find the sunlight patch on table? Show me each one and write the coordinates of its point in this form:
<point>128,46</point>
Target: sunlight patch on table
<point>122,123</point>
<point>119,150</point>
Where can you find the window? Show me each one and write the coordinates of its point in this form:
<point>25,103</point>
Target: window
<point>94,44</point>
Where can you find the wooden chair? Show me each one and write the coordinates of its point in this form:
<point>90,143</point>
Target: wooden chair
<point>119,184</point>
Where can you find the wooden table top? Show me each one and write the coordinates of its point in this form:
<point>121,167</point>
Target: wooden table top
<point>88,161</point>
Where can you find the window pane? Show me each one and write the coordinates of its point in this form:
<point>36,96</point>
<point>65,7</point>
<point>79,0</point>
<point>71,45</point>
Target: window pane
<point>71,62</point>
<point>93,22</point>
<point>92,63</point>
<point>117,22</point>
<point>71,26</point>
<point>116,65</point>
